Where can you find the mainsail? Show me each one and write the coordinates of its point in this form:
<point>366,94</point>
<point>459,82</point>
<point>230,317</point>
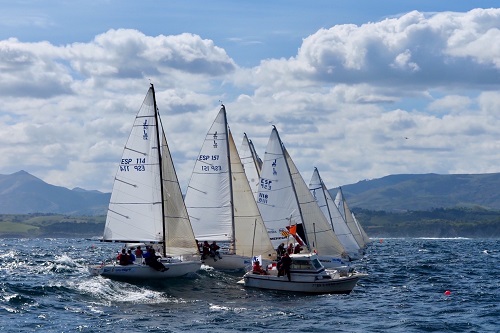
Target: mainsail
<point>290,212</point>
<point>146,202</point>
<point>219,200</point>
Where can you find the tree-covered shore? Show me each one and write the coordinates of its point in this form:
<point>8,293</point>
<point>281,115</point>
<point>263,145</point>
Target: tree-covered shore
<point>440,222</point>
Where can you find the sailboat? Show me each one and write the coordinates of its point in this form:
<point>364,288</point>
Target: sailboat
<point>221,204</point>
<point>332,213</point>
<point>290,212</point>
<point>146,205</point>
<point>251,163</point>
<point>357,230</point>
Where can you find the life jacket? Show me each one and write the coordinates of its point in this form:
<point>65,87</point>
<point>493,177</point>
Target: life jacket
<point>124,259</point>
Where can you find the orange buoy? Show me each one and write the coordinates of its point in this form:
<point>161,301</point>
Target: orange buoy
<point>447,293</point>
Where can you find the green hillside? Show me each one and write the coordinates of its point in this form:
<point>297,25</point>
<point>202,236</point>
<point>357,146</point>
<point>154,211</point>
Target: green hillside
<point>449,222</point>
<point>440,222</point>
<point>427,205</point>
<point>425,192</point>
<point>50,225</point>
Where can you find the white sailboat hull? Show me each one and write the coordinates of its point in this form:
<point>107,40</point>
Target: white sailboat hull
<point>303,282</point>
<point>229,262</point>
<point>146,204</point>
<point>140,271</point>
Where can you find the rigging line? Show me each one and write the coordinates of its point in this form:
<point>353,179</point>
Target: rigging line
<point>136,151</point>
<point>197,190</point>
<point>124,182</point>
<point>125,216</point>
<point>306,202</point>
<point>136,203</point>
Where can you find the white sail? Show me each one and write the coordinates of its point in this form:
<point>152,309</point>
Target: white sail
<point>208,196</point>
<point>339,202</point>
<point>251,234</point>
<point>219,200</point>
<point>286,203</point>
<point>276,199</point>
<point>365,237</point>
<point>330,210</point>
<point>146,206</point>
<point>319,232</point>
<point>179,236</point>
<point>135,210</point>
<point>347,214</point>
<point>138,210</point>
<point>251,163</point>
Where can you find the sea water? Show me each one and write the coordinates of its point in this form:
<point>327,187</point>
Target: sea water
<point>46,287</point>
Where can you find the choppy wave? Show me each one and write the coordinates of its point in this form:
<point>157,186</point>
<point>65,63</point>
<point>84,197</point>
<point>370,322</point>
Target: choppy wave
<point>46,287</point>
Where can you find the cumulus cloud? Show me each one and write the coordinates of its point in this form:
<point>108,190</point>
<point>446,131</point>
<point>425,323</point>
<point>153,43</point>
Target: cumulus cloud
<point>44,70</point>
<point>410,94</point>
<point>415,49</point>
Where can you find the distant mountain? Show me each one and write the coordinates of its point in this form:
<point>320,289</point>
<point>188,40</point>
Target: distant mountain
<point>424,192</point>
<point>23,193</point>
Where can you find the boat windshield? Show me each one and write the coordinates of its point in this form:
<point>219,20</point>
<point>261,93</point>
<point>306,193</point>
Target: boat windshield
<point>302,263</point>
<point>316,263</point>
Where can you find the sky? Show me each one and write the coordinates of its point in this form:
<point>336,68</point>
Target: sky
<point>358,89</point>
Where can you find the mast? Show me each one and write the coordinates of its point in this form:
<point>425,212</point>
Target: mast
<point>322,186</point>
<point>256,160</point>
<point>294,190</point>
<point>161,171</point>
<point>229,174</point>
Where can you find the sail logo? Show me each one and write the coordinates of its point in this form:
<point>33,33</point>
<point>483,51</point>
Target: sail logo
<point>284,232</point>
<point>266,184</point>
<point>274,168</point>
<point>215,139</point>
<point>145,130</point>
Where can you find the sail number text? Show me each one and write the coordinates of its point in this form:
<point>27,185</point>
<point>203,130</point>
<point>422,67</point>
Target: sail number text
<point>211,168</point>
<point>265,183</point>
<point>208,157</point>
<point>263,198</point>
<point>208,168</point>
<point>127,164</point>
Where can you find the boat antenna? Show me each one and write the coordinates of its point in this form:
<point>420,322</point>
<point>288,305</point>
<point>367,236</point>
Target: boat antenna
<point>253,241</point>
